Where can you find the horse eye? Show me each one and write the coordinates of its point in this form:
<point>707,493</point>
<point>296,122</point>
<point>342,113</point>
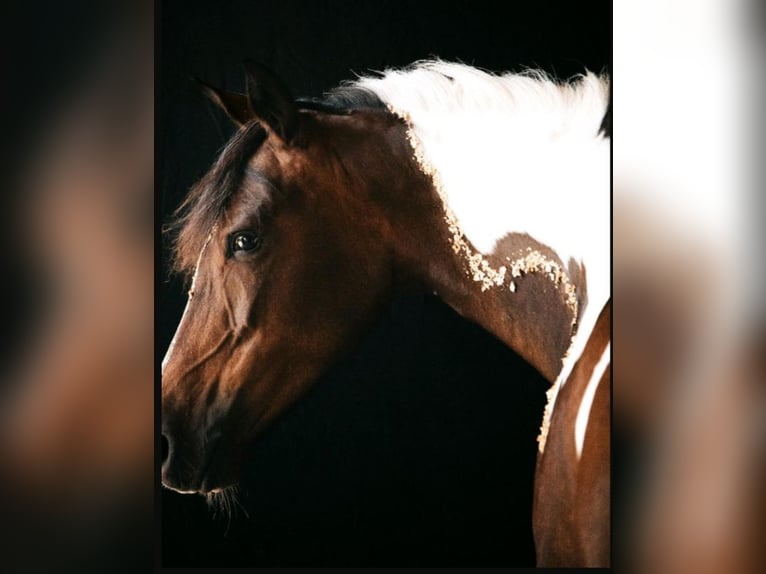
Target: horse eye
<point>244,241</point>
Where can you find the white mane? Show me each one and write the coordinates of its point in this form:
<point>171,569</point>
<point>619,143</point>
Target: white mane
<point>504,145</point>
<point>514,153</point>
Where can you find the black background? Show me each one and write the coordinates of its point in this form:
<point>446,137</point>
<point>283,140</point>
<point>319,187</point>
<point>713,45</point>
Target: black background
<point>419,448</point>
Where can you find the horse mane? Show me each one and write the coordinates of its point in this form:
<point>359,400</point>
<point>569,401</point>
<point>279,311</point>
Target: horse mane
<point>342,100</point>
<point>486,133</point>
<point>438,86</point>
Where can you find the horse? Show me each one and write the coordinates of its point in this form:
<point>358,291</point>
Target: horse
<point>490,191</point>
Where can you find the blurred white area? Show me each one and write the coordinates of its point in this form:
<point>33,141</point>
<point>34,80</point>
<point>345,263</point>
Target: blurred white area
<point>688,282</point>
<point>685,98</point>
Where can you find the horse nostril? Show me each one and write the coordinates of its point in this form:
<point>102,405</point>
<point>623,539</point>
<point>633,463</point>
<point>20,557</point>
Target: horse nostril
<point>165,448</point>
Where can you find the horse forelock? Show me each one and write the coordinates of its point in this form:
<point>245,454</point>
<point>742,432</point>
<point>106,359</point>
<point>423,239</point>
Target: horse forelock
<point>209,198</point>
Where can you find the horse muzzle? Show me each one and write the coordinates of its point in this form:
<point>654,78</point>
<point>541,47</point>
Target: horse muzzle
<point>191,465</point>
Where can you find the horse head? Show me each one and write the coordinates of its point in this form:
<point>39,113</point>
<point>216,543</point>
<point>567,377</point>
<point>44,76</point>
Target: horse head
<point>292,255</point>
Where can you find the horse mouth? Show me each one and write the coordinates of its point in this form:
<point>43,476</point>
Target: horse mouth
<point>203,481</point>
<point>207,481</point>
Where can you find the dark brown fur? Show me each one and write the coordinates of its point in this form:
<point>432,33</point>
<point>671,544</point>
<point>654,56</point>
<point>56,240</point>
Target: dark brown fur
<point>571,505</point>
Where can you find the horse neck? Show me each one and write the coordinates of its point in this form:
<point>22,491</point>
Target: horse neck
<point>519,293</point>
<point>534,319</point>
<point>516,200</point>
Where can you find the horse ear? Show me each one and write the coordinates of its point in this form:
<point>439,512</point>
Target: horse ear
<point>235,105</point>
<point>270,101</point>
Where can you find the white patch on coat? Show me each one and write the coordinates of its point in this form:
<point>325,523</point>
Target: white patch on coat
<point>576,349</point>
<point>583,414</point>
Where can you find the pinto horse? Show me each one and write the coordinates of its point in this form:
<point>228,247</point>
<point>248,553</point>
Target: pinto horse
<point>492,192</point>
